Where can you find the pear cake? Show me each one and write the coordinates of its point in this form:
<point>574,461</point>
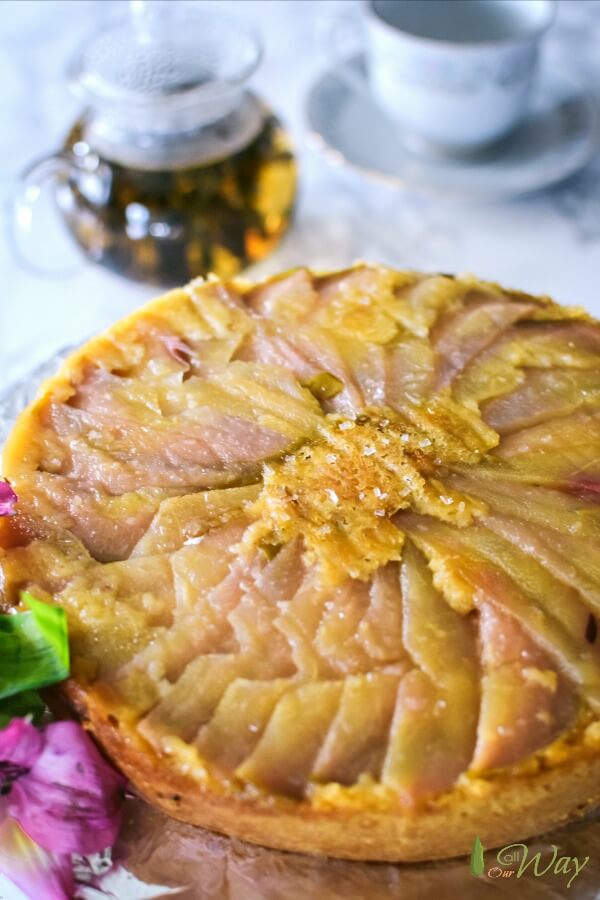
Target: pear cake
<point>329,550</point>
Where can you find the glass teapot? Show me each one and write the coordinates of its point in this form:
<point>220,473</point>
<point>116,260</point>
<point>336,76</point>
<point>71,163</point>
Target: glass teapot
<point>174,169</point>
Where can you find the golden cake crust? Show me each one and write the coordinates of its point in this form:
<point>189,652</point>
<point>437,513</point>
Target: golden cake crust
<point>501,810</point>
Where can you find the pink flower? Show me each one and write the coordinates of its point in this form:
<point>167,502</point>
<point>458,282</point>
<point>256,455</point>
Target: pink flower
<point>8,498</point>
<point>58,787</point>
<point>34,871</point>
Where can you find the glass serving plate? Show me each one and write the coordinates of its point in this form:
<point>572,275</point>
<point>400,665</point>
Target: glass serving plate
<point>157,856</point>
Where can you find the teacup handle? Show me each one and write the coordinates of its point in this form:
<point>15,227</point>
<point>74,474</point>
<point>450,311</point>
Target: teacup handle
<point>41,244</point>
<point>343,38</point>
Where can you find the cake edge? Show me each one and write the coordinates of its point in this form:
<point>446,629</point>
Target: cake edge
<point>503,809</point>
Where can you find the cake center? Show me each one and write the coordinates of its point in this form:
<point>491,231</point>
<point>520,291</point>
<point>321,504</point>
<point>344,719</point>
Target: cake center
<point>341,491</point>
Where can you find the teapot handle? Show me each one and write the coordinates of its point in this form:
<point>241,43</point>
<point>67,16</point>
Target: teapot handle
<point>40,236</point>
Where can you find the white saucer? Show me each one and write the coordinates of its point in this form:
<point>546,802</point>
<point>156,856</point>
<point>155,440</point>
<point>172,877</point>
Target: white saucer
<point>559,136</point>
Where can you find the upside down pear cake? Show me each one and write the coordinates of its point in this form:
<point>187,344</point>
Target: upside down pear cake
<point>328,547</point>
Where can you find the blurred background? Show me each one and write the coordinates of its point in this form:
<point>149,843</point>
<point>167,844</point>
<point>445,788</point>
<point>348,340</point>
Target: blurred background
<point>545,241</point>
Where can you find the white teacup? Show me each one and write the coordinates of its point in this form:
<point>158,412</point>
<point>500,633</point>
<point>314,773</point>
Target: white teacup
<point>454,74</point>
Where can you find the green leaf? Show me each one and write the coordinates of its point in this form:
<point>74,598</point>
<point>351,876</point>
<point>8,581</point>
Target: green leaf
<point>27,703</point>
<point>477,861</point>
<point>34,648</point>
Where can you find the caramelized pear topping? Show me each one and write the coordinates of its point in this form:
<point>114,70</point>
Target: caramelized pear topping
<point>341,491</point>
<point>332,537</point>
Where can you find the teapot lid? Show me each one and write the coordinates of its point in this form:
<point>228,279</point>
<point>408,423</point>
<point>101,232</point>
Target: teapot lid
<point>167,68</point>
